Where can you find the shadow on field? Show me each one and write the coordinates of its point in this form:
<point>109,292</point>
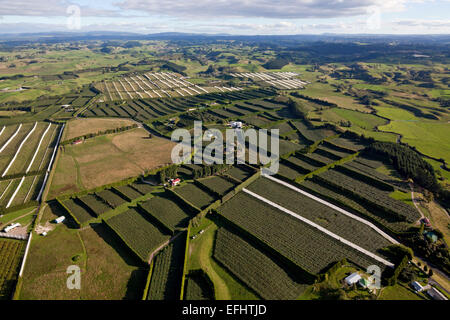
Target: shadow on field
<point>136,285</point>
<point>111,239</point>
<point>58,211</point>
<point>137,280</point>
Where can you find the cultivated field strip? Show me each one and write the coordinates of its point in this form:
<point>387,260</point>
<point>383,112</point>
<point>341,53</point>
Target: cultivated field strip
<point>279,80</point>
<point>297,241</point>
<point>18,191</point>
<point>11,252</point>
<point>336,208</point>
<point>147,109</point>
<point>11,138</point>
<point>18,150</point>
<point>151,85</point>
<point>256,269</point>
<point>37,148</point>
<point>15,192</point>
<point>167,271</point>
<point>370,194</point>
<point>138,233</point>
<point>322,229</point>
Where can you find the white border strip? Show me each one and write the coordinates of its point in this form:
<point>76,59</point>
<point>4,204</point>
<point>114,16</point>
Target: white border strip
<point>15,192</point>
<point>22,267</point>
<point>56,148</point>
<point>18,150</point>
<point>38,147</point>
<point>10,138</point>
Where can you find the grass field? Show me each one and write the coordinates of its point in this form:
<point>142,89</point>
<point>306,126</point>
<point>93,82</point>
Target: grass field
<point>397,292</point>
<point>226,286</point>
<point>82,126</point>
<point>109,270</point>
<point>429,137</point>
<point>107,159</point>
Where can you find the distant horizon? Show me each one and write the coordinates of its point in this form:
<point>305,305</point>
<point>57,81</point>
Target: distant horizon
<point>106,32</point>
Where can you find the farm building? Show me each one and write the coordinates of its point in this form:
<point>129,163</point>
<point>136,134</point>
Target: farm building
<point>416,286</point>
<point>60,219</point>
<point>353,278</point>
<point>174,182</point>
<point>426,222</point>
<point>77,142</point>
<point>11,227</point>
<point>236,124</point>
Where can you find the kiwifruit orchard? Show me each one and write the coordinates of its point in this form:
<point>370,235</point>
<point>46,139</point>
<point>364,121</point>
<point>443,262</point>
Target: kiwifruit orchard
<point>362,180</point>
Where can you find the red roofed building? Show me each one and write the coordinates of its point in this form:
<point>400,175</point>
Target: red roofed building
<point>77,141</point>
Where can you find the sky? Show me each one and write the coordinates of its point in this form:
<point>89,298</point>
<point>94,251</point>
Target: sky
<point>244,17</point>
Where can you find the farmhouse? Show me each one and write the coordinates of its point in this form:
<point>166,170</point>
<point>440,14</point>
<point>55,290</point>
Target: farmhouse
<point>353,278</point>
<point>174,182</point>
<point>77,141</point>
<point>426,222</point>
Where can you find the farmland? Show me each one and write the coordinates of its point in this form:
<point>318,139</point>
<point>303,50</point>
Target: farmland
<point>371,195</point>
<point>80,127</point>
<point>85,133</point>
<point>113,154</point>
<point>255,268</point>
<point>217,185</point>
<point>153,85</point>
<point>195,195</point>
<point>167,271</point>
<point>11,252</point>
<point>332,220</point>
<point>149,109</point>
<point>168,212</point>
<point>109,267</point>
<point>288,236</point>
<point>27,152</point>
<point>137,232</point>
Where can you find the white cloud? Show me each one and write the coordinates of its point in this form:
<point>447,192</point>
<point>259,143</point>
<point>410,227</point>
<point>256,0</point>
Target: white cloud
<point>423,23</point>
<point>47,8</point>
<point>286,9</point>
